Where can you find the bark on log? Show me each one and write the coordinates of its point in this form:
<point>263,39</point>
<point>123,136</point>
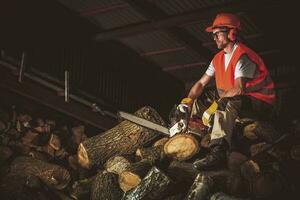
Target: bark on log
<point>116,164</point>
<point>3,125</point>
<point>5,154</point>
<point>295,152</point>
<point>124,138</point>
<point>224,196</point>
<point>161,142</point>
<point>19,186</point>
<point>235,160</point>
<point>205,141</point>
<point>261,130</point>
<point>153,154</point>
<point>269,185</point>
<point>81,189</point>
<point>181,147</point>
<point>133,175</point>
<point>175,197</point>
<point>52,175</point>
<point>155,185</point>
<point>182,172</point>
<point>201,188</point>
<point>250,170</point>
<point>106,187</point>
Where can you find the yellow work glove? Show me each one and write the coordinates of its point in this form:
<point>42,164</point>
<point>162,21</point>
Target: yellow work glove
<point>185,105</point>
<point>208,113</point>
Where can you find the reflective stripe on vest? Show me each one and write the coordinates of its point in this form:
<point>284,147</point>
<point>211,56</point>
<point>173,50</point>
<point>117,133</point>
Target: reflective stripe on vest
<point>261,87</point>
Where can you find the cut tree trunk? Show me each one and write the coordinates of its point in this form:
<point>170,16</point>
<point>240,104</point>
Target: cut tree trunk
<point>5,154</point>
<point>153,154</point>
<point>261,130</point>
<point>20,186</point>
<point>116,164</point>
<point>201,188</point>
<point>295,152</point>
<point>161,142</point>
<point>124,138</point>
<point>133,175</point>
<point>181,147</point>
<point>269,185</point>
<point>3,125</point>
<point>81,189</point>
<point>52,175</point>
<point>155,185</point>
<point>182,173</point>
<point>224,196</point>
<point>105,186</point>
<point>205,141</point>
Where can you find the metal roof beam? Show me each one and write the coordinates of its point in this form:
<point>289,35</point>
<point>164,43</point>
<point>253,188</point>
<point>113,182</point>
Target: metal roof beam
<point>175,21</point>
<point>154,14</point>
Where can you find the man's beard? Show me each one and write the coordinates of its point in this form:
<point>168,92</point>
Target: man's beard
<point>222,45</point>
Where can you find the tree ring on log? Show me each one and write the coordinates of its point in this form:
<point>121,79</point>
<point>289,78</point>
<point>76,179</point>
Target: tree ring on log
<point>128,180</point>
<point>83,158</point>
<point>181,147</point>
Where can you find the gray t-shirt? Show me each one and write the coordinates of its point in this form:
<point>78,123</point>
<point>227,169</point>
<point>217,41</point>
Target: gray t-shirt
<point>244,67</point>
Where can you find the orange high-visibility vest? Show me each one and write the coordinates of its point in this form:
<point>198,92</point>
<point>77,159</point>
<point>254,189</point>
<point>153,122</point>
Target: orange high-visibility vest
<point>260,87</point>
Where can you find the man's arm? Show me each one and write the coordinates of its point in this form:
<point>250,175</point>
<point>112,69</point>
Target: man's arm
<point>198,87</point>
<point>238,88</point>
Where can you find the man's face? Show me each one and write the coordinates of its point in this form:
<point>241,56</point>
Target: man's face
<point>220,37</point>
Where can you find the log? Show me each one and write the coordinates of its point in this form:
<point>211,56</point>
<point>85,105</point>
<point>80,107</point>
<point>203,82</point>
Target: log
<point>29,137</point>
<point>3,125</point>
<point>269,185</point>
<point>52,175</point>
<point>295,152</point>
<point>78,134</point>
<point>224,196</point>
<point>54,142</point>
<point>250,170</point>
<point>81,189</point>
<point>236,185</point>
<point>161,142</point>
<point>181,147</point>
<point>105,186</point>
<point>261,130</point>
<point>5,154</point>
<point>133,175</point>
<point>124,138</point>
<point>116,164</point>
<point>155,185</point>
<point>205,141</point>
<point>235,160</point>
<point>182,173</point>
<point>175,197</point>
<point>201,188</point>
<point>255,149</point>
<point>153,154</point>
<point>20,186</point>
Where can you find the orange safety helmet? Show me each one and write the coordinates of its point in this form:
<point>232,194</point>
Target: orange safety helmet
<point>225,20</point>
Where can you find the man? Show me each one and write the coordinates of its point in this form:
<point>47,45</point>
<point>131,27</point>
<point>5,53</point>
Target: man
<point>243,84</point>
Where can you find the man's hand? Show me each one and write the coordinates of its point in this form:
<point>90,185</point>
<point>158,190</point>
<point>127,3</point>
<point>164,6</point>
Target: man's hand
<point>185,105</point>
<point>208,113</point>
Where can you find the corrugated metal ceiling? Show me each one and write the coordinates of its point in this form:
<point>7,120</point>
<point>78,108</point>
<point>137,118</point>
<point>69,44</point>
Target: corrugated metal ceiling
<point>166,47</point>
<point>175,7</point>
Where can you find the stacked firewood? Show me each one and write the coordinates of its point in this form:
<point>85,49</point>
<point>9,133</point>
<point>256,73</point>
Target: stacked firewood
<point>41,160</point>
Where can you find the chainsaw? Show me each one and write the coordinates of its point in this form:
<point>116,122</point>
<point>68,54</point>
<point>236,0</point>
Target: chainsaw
<point>180,127</point>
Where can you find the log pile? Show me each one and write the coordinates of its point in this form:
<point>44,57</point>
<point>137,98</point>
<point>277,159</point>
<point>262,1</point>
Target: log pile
<point>41,160</point>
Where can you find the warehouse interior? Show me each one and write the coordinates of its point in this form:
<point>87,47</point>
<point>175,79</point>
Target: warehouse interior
<point>82,61</point>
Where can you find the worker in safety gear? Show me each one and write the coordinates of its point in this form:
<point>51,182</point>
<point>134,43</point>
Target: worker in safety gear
<point>243,83</point>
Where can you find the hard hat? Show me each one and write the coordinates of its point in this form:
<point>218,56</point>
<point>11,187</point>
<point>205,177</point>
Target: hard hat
<point>225,20</point>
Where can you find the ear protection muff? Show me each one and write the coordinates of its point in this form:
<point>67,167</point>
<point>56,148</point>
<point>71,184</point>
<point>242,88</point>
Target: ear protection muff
<point>232,34</point>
